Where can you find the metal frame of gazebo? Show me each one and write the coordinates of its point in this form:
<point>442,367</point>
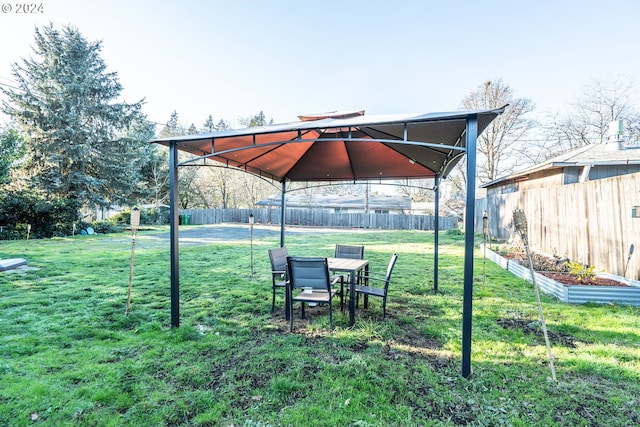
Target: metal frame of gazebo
<point>346,146</point>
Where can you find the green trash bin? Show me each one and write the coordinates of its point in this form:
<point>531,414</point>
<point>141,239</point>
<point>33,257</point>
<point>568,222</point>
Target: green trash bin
<point>187,219</point>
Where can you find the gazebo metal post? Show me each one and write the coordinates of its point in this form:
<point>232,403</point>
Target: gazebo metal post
<point>174,234</point>
<point>471,137</point>
<point>282,213</point>
<point>436,233</point>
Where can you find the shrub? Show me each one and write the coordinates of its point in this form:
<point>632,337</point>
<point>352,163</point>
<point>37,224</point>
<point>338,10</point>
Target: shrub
<point>45,213</point>
<point>157,215</point>
<point>150,216</point>
<point>454,232</point>
<point>103,227</point>
<point>121,218</point>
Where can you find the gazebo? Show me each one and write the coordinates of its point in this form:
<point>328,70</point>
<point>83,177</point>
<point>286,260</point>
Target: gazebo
<point>338,147</point>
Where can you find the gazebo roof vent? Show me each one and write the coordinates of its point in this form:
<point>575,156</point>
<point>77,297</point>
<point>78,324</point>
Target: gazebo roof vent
<point>331,115</point>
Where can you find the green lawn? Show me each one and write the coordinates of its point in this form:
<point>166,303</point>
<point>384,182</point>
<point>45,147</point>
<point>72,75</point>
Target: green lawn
<point>70,356</point>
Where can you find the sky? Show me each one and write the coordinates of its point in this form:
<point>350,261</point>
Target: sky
<point>234,58</point>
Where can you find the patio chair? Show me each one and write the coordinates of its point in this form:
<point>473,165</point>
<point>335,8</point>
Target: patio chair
<point>349,251</point>
<point>311,276</point>
<point>374,291</point>
<point>278,258</point>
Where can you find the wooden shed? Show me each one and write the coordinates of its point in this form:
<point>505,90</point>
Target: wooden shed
<point>579,205</point>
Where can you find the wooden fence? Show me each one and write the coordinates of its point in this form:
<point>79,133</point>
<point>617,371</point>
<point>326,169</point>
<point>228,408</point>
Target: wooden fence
<point>588,222</point>
<point>320,218</point>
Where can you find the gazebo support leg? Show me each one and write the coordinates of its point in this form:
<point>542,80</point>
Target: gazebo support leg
<point>436,233</point>
<point>469,222</point>
<point>174,234</point>
<point>282,213</point>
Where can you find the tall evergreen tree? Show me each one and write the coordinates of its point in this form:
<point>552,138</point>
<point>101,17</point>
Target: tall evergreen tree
<point>11,148</point>
<point>193,130</point>
<point>172,127</point>
<point>223,125</point>
<point>150,165</point>
<point>66,103</point>
<point>209,126</point>
<point>188,177</point>
<point>258,120</point>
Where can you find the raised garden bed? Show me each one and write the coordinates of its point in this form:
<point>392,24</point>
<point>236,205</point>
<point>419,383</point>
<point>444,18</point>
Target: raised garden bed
<point>9,264</point>
<point>607,288</point>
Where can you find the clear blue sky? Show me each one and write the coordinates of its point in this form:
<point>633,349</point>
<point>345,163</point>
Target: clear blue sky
<point>234,58</point>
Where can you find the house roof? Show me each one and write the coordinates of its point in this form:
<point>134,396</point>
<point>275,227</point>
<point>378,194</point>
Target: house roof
<point>334,201</point>
<point>609,154</point>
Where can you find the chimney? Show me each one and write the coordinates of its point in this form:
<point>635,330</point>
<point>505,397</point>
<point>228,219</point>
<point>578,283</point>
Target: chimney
<point>616,133</point>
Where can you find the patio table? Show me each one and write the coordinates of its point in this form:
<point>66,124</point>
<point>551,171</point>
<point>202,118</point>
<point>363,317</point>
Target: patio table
<point>351,266</point>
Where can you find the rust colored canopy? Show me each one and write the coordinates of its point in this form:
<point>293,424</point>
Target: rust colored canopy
<point>341,146</point>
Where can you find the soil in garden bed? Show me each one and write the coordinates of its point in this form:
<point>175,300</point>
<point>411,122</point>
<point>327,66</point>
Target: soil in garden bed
<point>555,268</point>
<point>567,279</point>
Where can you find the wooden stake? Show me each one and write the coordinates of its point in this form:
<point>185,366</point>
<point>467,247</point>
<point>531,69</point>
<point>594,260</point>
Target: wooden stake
<point>520,222</point>
<point>135,223</point>
<point>133,247</point>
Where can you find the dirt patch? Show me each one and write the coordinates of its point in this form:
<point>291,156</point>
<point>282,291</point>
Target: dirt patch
<point>415,338</point>
<point>531,326</point>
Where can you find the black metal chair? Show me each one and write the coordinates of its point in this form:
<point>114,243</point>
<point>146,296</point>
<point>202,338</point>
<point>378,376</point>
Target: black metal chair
<point>278,258</point>
<point>374,291</point>
<point>349,251</point>
<point>311,277</point>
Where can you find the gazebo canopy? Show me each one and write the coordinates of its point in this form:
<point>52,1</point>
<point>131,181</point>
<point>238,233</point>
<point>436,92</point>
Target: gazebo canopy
<point>342,146</point>
<point>345,146</point>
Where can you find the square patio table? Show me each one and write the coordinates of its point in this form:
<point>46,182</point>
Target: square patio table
<point>351,266</point>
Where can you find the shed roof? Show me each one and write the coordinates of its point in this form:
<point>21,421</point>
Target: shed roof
<point>334,201</point>
<point>589,155</point>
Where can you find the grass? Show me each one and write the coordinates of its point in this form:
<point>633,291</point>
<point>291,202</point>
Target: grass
<point>70,356</point>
